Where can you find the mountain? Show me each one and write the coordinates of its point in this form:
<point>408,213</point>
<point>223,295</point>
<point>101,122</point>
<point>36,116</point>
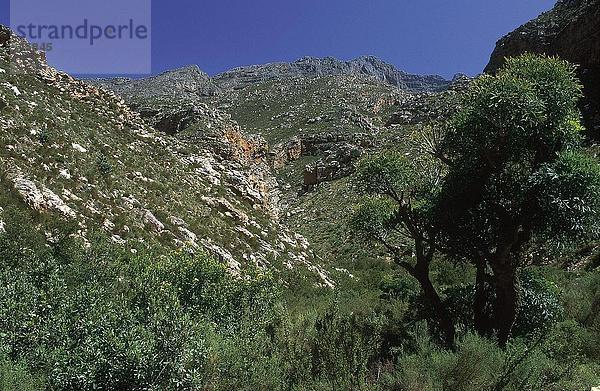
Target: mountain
<point>570,30</point>
<point>315,67</point>
<point>78,155</point>
<point>192,83</point>
<point>317,117</point>
<point>188,80</point>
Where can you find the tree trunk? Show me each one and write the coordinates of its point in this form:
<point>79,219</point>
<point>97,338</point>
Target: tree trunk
<point>507,299</point>
<point>442,314</point>
<point>481,319</point>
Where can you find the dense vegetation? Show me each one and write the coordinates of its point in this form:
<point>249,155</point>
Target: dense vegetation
<point>85,316</point>
<point>102,318</point>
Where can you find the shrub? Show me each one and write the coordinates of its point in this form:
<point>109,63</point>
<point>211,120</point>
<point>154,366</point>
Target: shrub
<point>103,164</point>
<point>479,364</point>
<point>93,319</point>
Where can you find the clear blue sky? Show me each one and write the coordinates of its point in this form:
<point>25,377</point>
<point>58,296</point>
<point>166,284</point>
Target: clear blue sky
<point>420,36</point>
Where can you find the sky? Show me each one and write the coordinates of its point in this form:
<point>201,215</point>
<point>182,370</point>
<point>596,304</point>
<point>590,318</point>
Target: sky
<point>419,36</point>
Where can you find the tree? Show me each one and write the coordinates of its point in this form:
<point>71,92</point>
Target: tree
<point>397,215</point>
<point>515,172</point>
<point>509,169</point>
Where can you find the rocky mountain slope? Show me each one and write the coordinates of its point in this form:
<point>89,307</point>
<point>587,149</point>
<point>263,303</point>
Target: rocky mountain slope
<point>192,83</point>
<point>317,118</point>
<point>570,30</point>
<point>73,152</point>
<point>320,111</point>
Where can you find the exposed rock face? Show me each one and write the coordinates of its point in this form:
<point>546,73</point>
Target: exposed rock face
<point>328,66</point>
<point>37,197</point>
<point>337,162</point>
<point>338,153</point>
<point>153,222</point>
<point>174,118</point>
<point>171,122</point>
<point>570,30</point>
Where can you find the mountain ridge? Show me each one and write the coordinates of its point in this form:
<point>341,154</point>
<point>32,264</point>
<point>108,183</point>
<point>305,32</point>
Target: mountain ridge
<point>308,66</point>
<point>193,82</point>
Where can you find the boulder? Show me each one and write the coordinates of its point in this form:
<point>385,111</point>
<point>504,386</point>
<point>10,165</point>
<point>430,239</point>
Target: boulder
<point>153,222</point>
<point>39,198</point>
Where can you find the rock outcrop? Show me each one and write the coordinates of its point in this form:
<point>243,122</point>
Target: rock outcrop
<point>428,108</point>
<point>337,154</point>
<point>39,198</point>
<point>570,30</point>
<point>189,81</point>
<point>337,162</point>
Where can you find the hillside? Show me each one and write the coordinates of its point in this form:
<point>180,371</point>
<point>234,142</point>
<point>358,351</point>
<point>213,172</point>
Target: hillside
<point>316,128</point>
<point>76,152</point>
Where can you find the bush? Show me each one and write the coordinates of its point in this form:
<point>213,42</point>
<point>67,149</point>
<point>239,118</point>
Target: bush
<point>473,367</point>
<point>479,364</point>
<point>103,164</point>
<point>18,377</point>
<point>135,323</point>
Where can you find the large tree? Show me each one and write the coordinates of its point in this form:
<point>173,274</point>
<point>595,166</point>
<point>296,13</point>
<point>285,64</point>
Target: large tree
<point>516,171</point>
<point>510,169</point>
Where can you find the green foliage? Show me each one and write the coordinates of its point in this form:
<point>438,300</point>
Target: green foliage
<point>529,107</point>
<point>331,350</point>
<point>396,186</point>
<point>567,195</point>
<point>102,318</point>
<point>386,173</point>
<point>373,218</point>
<point>139,323</point>
<point>103,164</point>
<point>472,367</point>
<point>555,84</point>
<point>539,308</point>
<point>516,173</point>
<point>18,377</point>
<point>479,364</point>
<point>512,158</point>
